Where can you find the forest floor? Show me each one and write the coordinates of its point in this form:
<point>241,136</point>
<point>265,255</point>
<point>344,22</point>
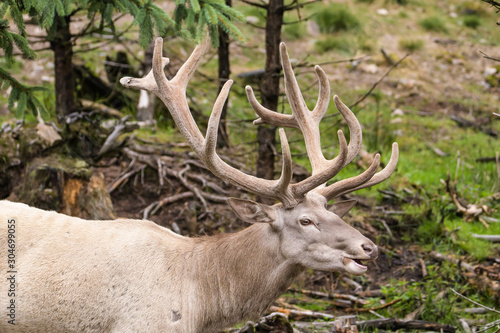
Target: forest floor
<point>437,103</point>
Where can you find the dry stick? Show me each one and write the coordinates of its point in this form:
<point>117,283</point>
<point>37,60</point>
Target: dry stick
<point>441,257</point>
<point>380,80</point>
<point>491,238</point>
<point>153,208</point>
<point>488,57</point>
<point>474,302</point>
<point>123,178</point>
<point>301,314</point>
<point>330,296</point>
<point>375,308</point>
<point>394,324</point>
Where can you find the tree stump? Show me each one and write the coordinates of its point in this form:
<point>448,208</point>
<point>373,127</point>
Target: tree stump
<point>66,185</point>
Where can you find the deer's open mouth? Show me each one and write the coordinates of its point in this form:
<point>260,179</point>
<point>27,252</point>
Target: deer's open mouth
<point>354,265</point>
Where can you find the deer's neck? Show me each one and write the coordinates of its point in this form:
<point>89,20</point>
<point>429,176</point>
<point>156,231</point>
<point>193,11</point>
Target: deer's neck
<point>240,275</point>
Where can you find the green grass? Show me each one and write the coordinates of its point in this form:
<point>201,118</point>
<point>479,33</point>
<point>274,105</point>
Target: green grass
<point>411,45</point>
<point>472,21</point>
<point>295,31</point>
<point>335,18</point>
<point>434,24</point>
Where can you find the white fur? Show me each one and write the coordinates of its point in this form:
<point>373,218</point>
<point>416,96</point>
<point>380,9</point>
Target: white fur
<point>74,275</point>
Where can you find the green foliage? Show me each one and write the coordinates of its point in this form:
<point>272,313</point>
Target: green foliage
<point>432,293</point>
<point>195,16</point>
<point>341,44</point>
<point>433,23</point>
<point>336,18</point>
<point>294,31</point>
<point>411,45</point>
<point>23,95</point>
<point>472,21</point>
<point>151,20</point>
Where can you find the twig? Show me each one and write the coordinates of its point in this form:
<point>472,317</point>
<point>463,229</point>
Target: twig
<point>474,302</point>
<point>441,257</point>
<point>394,324</point>
<point>379,80</point>
<point>155,206</point>
<point>491,238</point>
<point>330,296</point>
<point>352,283</point>
<point>488,57</point>
<point>301,314</point>
<point>375,308</point>
<point>124,178</point>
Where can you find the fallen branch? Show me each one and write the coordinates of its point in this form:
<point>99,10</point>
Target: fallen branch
<point>103,109</point>
<point>474,302</point>
<point>112,142</point>
<point>441,257</point>
<point>155,206</point>
<point>375,308</point>
<point>330,296</point>
<point>301,314</point>
<point>394,324</point>
<point>491,238</point>
<point>484,54</point>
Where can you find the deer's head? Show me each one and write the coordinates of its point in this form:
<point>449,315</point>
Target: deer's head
<point>311,233</point>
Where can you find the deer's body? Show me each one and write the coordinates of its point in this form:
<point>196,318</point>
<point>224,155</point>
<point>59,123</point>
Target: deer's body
<point>134,276</point>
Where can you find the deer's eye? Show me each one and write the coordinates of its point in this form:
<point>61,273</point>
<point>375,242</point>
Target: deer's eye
<point>306,222</point>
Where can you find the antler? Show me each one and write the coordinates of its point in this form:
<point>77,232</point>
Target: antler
<point>308,122</point>
<point>173,94</point>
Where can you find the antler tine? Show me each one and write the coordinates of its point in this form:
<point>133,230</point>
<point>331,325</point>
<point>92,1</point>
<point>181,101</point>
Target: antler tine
<point>173,94</point>
<point>286,170</point>
<point>366,179</point>
<point>268,116</point>
<point>379,176</point>
<point>345,185</point>
<point>326,174</point>
<point>354,128</point>
<point>213,121</point>
<point>148,82</point>
<point>323,94</point>
<point>187,70</point>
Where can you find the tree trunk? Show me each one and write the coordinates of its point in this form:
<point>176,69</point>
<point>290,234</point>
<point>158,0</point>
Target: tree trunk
<point>224,71</point>
<point>270,89</point>
<point>63,54</point>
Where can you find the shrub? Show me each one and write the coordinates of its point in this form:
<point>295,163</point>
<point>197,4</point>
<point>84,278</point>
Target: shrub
<point>295,31</point>
<point>411,45</point>
<point>472,21</point>
<point>336,18</point>
<point>434,23</point>
<point>340,44</point>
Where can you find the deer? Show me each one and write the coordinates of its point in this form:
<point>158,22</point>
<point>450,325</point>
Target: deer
<point>66,274</point>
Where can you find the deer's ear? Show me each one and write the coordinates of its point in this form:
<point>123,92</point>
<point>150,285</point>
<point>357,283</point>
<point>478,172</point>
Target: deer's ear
<point>343,207</point>
<point>252,212</point>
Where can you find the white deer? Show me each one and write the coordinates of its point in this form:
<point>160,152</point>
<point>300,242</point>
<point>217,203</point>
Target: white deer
<point>65,274</point>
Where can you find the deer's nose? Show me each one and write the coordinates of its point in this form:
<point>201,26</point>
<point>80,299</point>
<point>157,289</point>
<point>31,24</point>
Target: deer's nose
<point>370,249</point>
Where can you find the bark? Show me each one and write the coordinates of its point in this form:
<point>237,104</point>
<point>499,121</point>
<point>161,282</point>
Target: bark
<point>270,89</point>
<point>224,71</point>
<point>64,80</point>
